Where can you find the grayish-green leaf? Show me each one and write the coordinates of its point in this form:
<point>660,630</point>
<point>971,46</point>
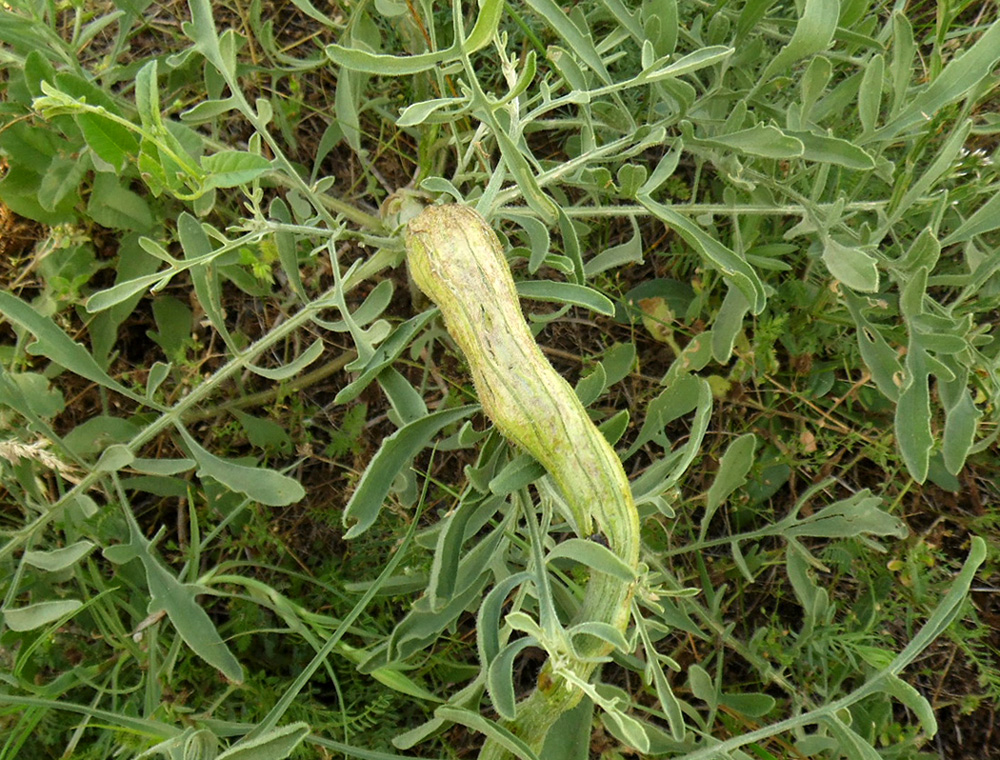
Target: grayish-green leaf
<point>913,415</point>
<point>961,74</point>
<point>54,344</point>
<point>500,677</point>
<point>262,485</point>
<point>566,292</point>
<point>54,560</point>
<point>394,454</point>
<point>276,744</point>
<point>813,34</point>
<point>593,555</point>
<point>728,323</point>
<point>294,367</point>
<point>851,265</point>
<point>870,93</point>
<point>37,615</point>
<point>959,432</point>
<point>985,219</point>
<point>732,473</point>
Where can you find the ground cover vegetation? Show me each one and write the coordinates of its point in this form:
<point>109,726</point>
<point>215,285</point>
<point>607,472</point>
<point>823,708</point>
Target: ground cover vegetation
<point>250,506</point>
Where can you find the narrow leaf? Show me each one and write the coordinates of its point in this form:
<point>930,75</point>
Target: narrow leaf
<point>567,292</point>
<point>294,367</point>
<point>733,469</point>
<point>54,344</point>
<point>262,485</point>
<point>813,34</point>
<point>728,262</point>
<point>37,615</point>
<point>913,416</point>
<point>593,555</point>
<point>276,744</point>
<point>962,74</point>
<point>959,432</point>
<point>55,560</point>
<point>396,451</point>
<point>985,219</point>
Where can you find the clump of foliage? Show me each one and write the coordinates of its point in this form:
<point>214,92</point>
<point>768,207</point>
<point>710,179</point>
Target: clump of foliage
<point>767,234</point>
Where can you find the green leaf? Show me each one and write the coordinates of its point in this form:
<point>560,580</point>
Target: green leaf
<point>37,615</point>
<point>417,113</point>
<point>113,205</point>
<point>813,34</point>
<point>61,182</point>
<point>703,686</point>
<point>34,393</point>
<point>913,415</point>
<point>116,294</point>
<point>521,471</point>
<point>264,486</point>
<point>493,731</point>
<point>196,244</point>
<point>354,59</point>
<point>264,433</point>
<point>832,150</point>
<point>605,632</point>
<point>406,401</point>
<point>851,265</point>
<point>917,702</point>
<point>732,473</point>
<point>490,611</point>
<point>384,355</point>
<point>728,323</point>
<point>702,58</point>
<point>962,74</point>
<point>396,451</point>
<point>569,737</point>
<point>581,44</point>
<point>852,744</point>
<point>753,705</point>
<point>294,367</point>
<point>591,387</point>
<point>566,292</point>
<point>762,140</point>
<point>190,620</point>
<point>728,262</point>
<point>147,97</point>
<point>629,252</point>
<point>593,555</point>
<point>54,560</point>
<point>112,142</point>
<point>19,190</point>
<point>276,744</point>
<point>162,466</point>
<point>114,457</point>
<point>500,677</point>
<point>456,527</point>
<point>231,168</point>
<point>854,516</point>
<point>959,432</point>
<point>985,219</point>
<point>879,356</point>
<point>870,93</point>
<point>538,235</point>
<point>54,344</point>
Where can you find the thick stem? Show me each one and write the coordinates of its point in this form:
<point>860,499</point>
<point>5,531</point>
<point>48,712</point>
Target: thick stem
<point>456,260</point>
